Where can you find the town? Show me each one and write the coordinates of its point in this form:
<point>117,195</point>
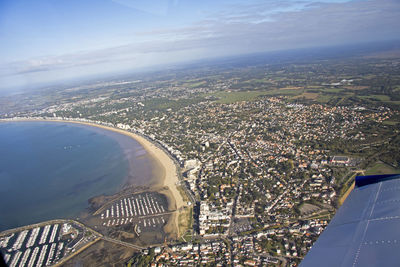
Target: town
<point>266,155</point>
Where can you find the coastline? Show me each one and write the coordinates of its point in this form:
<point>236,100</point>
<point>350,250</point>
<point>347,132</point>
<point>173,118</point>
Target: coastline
<point>166,170</point>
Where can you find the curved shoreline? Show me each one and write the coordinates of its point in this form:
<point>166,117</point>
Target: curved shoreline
<point>166,166</point>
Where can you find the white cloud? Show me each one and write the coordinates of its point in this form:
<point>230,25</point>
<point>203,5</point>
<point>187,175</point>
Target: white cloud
<point>242,29</point>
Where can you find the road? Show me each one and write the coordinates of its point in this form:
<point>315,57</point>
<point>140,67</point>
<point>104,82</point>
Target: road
<point>122,243</point>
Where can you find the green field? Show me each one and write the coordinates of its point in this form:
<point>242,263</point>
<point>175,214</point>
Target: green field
<point>396,88</point>
<point>232,97</point>
<point>381,168</point>
<point>390,122</point>
<point>324,98</point>
<point>265,80</point>
<point>375,97</point>
<point>393,102</point>
<point>320,95</point>
<point>332,90</point>
<point>195,84</point>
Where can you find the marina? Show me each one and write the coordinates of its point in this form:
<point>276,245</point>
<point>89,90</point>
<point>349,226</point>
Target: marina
<point>144,210</point>
<point>44,244</point>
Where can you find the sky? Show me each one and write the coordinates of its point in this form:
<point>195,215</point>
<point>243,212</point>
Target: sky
<point>52,40</point>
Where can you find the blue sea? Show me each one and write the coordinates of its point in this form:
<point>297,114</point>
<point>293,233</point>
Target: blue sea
<point>50,170</point>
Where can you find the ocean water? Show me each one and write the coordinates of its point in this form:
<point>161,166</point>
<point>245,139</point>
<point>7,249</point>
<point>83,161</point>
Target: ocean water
<point>49,170</point>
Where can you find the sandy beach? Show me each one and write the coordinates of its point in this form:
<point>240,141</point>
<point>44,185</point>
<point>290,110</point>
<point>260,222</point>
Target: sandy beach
<point>166,168</point>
